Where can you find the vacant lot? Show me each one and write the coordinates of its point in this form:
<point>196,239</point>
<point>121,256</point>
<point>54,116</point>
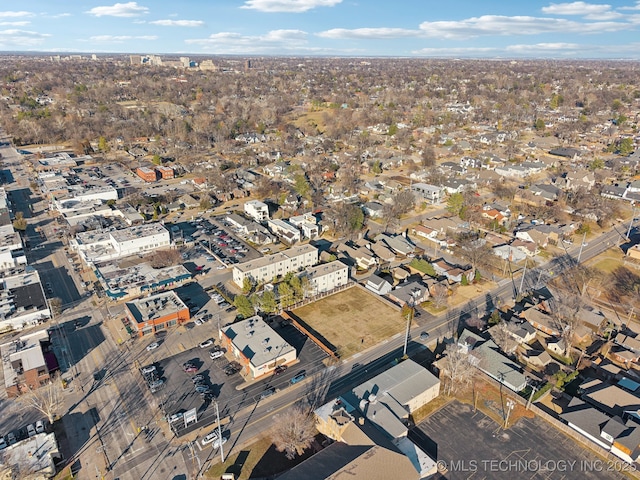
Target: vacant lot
<point>352,320</point>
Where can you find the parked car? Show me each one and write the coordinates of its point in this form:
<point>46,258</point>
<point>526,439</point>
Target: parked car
<point>267,393</point>
<point>148,369</point>
<point>206,343</point>
<point>11,438</point>
<point>210,437</point>
<point>39,426</point>
<point>156,383</point>
<point>176,417</point>
<point>298,378</point>
<point>213,354</point>
<point>232,368</point>
<point>191,369</point>
<point>218,442</point>
<point>424,336</point>
<point>152,346</point>
<point>280,369</point>
<point>197,378</point>
<point>198,321</point>
<point>31,430</point>
<point>3,443</point>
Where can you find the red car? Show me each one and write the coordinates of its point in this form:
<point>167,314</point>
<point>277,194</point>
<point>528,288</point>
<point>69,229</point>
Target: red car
<point>191,369</point>
<point>199,268</point>
<point>280,369</point>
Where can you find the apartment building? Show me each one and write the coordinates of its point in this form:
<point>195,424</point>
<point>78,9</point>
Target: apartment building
<point>278,264</point>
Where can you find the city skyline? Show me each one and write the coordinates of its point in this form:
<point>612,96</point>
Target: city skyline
<point>462,28</point>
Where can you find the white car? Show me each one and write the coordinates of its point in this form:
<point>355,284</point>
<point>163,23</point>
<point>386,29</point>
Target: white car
<point>213,354</point>
<point>198,321</point>
<point>31,430</point>
<point>148,369</point>
<point>152,346</point>
<point>206,343</point>
<point>176,417</point>
<point>210,437</point>
<point>39,426</point>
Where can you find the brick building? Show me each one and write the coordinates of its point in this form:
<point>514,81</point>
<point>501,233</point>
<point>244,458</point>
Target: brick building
<point>165,172</point>
<point>156,313</point>
<point>27,363</point>
<point>146,174</point>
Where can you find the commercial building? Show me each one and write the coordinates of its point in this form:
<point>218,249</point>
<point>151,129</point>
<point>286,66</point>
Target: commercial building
<point>32,458</point>
<point>257,210</point>
<point>11,251</point>
<point>124,282</point>
<point>22,301</point>
<point>326,277</point>
<point>100,246</point>
<point>269,267</point>
<point>156,313</point>
<point>257,347</point>
<point>165,172</point>
<point>147,174</point>
<point>27,363</point>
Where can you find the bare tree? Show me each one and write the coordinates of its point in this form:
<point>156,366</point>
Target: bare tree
<point>164,258</point>
<point>439,295</point>
<point>502,337</point>
<point>293,432</point>
<point>564,308</point>
<point>457,368</point>
<point>46,399</point>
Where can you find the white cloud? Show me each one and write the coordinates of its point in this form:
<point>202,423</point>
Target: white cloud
<point>178,23</point>
<point>576,8</point>
<point>21,38</point>
<point>635,7</point>
<point>455,51</point>
<point>290,6</point>
<point>273,42</point>
<point>120,38</point>
<point>547,47</point>
<point>9,14</point>
<point>130,9</point>
<point>369,33</point>
<point>20,23</point>
<point>492,25</point>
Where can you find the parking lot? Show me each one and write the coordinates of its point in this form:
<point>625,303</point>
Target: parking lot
<point>471,445</point>
<point>178,392</point>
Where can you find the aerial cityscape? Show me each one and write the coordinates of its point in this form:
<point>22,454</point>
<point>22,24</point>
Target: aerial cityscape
<point>412,254</point>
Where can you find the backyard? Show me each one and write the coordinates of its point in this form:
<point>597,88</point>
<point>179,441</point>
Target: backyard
<point>352,320</point>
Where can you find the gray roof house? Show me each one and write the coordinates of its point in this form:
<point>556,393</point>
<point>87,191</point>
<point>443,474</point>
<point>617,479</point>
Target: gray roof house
<point>492,362</point>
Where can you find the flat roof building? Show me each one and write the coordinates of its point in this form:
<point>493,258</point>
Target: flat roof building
<point>269,267</point>
<point>156,313</point>
<point>32,458</point>
<point>22,301</point>
<point>27,363</point>
<point>99,246</point>
<point>147,174</point>
<point>258,348</point>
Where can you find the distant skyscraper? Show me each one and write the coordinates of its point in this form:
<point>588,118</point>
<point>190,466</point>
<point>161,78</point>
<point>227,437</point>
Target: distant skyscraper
<point>247,65</point>
<point>135,59</point>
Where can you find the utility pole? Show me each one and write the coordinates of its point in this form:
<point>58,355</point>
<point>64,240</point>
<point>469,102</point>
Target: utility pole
<point>524,273</point>
<point>633,216</point>
<point>414,293</point>
<point>581,246</point>
<point>510,404</point>
<point>219,433</point>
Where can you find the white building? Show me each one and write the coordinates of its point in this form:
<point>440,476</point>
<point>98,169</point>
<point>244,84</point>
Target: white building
<point>11,250</point>
<point>257,210</point>
<point>326,277</point>
<point>428,192</point>
<point>32,458</point>
<point>287,232</point>
<point>22,301</point>
<point>307,223</point>
<point>257,347</point>
<point>107,245</point>
<point>279,264</point>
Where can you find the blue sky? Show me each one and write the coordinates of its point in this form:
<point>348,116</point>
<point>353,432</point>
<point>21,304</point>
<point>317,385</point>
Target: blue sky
<point>404,28</point>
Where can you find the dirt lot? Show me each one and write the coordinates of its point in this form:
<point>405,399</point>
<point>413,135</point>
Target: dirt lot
<point>352,320</point>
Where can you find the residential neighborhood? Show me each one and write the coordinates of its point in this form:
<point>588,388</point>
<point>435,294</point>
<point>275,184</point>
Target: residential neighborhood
<point>217,267</point>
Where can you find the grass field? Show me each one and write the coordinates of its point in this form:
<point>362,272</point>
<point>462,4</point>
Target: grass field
<point>608,261</point>
<point>352,320</point>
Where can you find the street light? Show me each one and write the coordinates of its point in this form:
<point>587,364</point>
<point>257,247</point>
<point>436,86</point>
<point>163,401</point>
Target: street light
<point>510,405</point>
<point>412,304</point>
